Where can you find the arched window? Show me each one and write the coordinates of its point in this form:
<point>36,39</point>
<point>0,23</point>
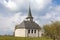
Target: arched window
<point>28,31</point>
<point>31,31</point>
<point>34,31</point>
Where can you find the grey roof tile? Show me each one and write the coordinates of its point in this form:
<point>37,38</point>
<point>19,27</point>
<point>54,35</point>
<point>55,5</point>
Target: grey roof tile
<point>28,25</point>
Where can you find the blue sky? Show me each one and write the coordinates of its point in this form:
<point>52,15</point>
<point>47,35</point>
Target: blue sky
<point>13,12</point>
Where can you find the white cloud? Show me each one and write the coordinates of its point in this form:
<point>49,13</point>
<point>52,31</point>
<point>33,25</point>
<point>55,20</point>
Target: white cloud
<point>40,4</point>
<point>19,4</point>
<point>53,14</point>
<point>56,13</point>
<point>8,23</point>
<point>46,16</point>
<point>11,5</point>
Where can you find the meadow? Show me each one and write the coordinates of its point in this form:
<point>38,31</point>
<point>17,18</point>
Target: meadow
<point>22,38</point>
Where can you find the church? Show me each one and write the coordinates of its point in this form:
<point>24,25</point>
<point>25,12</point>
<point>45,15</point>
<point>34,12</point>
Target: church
<point>28,28</point>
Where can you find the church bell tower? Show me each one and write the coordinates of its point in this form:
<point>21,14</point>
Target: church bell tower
<point>29,18</point>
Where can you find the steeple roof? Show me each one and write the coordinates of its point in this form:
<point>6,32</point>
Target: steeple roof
<point>29,14</point>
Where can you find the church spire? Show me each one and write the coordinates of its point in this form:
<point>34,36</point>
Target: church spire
<point>30,15</point>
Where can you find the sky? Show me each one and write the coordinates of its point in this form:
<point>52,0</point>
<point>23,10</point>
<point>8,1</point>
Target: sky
<point>13,12</point>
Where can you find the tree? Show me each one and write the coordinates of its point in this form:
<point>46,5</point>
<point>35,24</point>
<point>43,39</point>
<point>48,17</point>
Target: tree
<point>52,30</point>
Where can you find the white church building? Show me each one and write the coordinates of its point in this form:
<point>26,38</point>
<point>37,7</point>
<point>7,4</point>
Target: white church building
<point>28,28</point>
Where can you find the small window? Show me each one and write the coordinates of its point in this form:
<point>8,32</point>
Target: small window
<point>31,31</point>
<point>34,31</point>
<point>28,31</point>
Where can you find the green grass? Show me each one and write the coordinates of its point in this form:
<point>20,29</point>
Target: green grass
<point>21,38</point>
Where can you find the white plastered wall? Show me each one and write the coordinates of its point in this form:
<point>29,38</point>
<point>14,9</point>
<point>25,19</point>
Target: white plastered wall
<point>20,33</point>
<point>37,34</point>
<point>33,34</point>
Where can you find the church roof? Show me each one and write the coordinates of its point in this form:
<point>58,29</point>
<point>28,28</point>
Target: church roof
<point>28,25</point>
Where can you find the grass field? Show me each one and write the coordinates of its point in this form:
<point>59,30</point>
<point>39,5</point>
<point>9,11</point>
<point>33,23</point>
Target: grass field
<point>21,38</point>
